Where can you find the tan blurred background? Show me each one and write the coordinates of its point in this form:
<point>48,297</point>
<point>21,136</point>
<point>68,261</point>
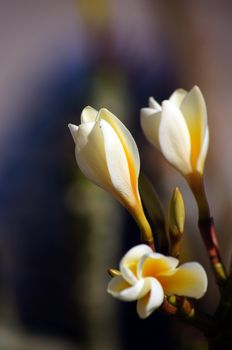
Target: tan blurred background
<point>58,232</point>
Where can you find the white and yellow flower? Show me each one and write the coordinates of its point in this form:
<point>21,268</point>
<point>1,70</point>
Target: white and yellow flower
<point>179,129</point>
<point>108,155</point>
<point>147,277</point>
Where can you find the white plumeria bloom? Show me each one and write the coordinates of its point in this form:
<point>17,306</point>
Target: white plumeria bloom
<point>108,155</point>
<point>147,277</point>
<point>179,129</point>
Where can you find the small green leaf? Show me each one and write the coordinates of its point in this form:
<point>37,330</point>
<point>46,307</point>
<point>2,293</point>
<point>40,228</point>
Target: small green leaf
<point>153,207</point>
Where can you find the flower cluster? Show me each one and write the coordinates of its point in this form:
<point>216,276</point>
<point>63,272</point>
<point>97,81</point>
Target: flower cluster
<point>107,154</point>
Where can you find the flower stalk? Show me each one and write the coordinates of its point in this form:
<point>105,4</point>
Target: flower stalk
<point>206,226</point>
<point>145,228</point>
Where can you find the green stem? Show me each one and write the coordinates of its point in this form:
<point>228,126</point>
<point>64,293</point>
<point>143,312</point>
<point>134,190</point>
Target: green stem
<point>144,226</point>
<point>196,183</point>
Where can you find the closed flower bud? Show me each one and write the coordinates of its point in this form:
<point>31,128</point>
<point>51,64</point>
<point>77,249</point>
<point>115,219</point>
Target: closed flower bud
<point>176,213</point>
<point>108,156</point>
<point>176,218</point>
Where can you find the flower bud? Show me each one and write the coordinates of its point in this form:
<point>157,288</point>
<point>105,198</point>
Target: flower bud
<point>108,156</point>
<point>176,218</point>
<point>176,213</point>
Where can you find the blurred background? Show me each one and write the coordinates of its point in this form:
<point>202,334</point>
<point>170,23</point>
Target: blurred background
<point>58,232</point>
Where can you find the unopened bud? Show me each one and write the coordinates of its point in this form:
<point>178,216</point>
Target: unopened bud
<point>176,218</point>
<point>176,213</point>
<point>113,272</point>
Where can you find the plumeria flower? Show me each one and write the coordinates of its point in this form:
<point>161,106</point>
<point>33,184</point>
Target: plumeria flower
<point>108,155</point>
<point>179,129</point>
<point>148,277</point>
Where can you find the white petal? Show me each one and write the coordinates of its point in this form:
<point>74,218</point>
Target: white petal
<point>101,157</point>
<point>204,150</point>
<point>128,273</point>
<point>118,167</point>
<point>121,290</point>
<point>88,114</point>
<point>127,140</point>
<point>174,138</point>
<point>73,129</point>
<point>91,156</point>
<point>135,254</point>
<point>189,280</point>
<point>150,123</point>
<point>178,96</point>
<point>155,264</point>
<point>129,263</point>
<point>194,110</point>
<point>152,300</point>
<point>152,103</point>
